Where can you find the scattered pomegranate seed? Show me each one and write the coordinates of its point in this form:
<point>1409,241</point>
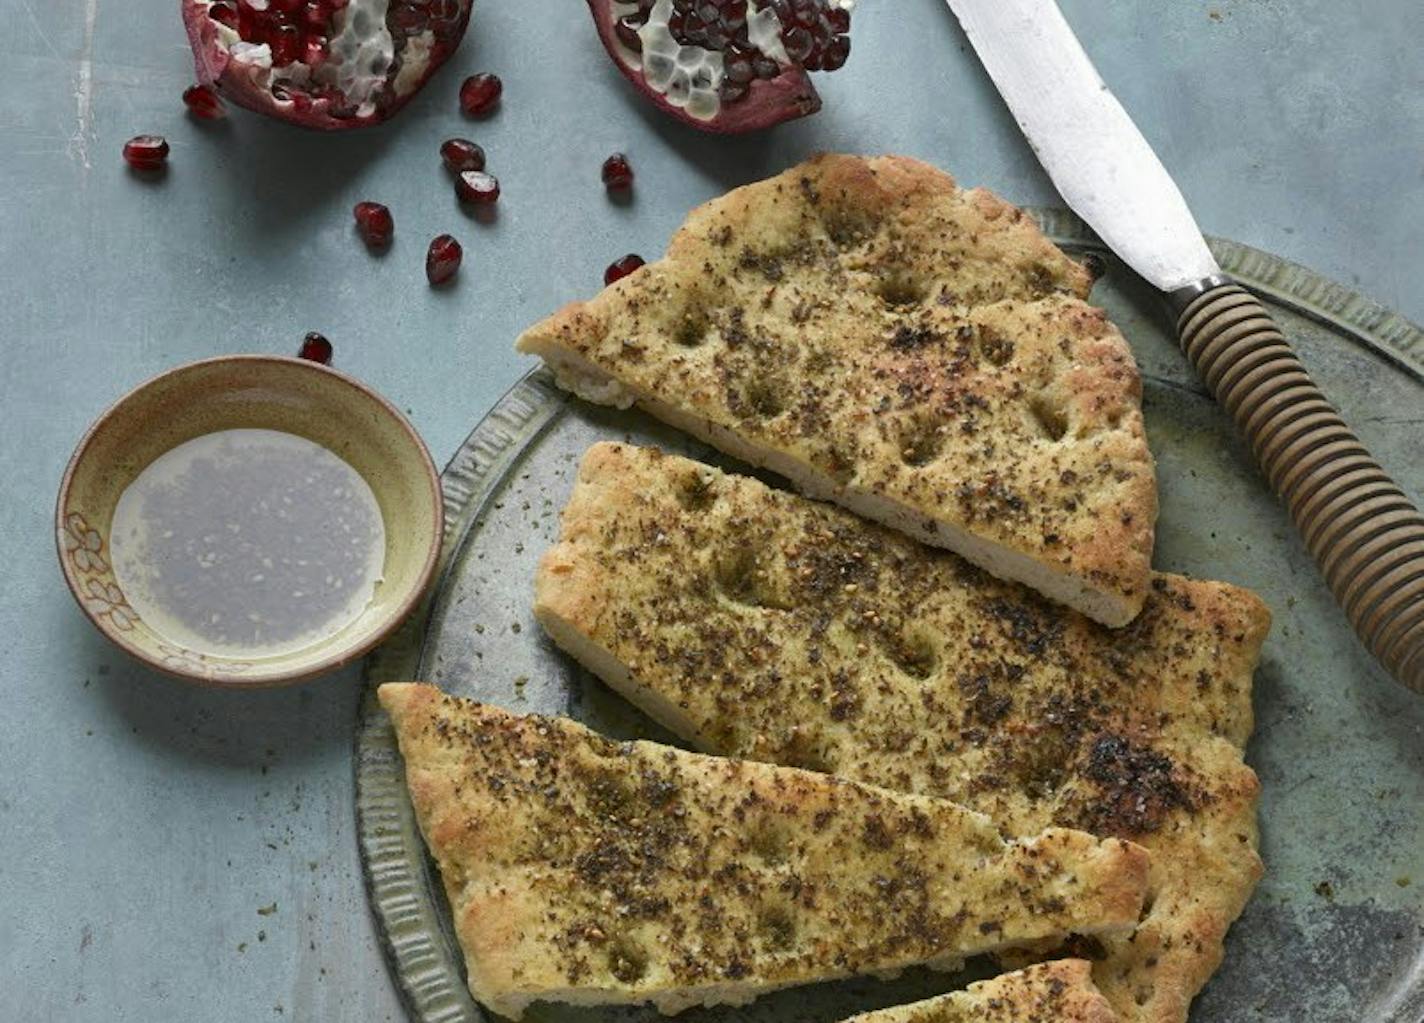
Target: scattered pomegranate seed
<point>480,93</point>
<point>617,172</point>
<point>442,262</point>
<point>462,155</point>
<point>316,348</point>
<point>621,268</point>
<point>203,103</point>
<point>146,152</point>
<point>477,187</point>
<point>374,223</point>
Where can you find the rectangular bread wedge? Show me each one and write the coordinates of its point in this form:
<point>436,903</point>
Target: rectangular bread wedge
<point>1061,991</point>
<point>592,872</point>
<point>916,352</point>
<point>758,624</point>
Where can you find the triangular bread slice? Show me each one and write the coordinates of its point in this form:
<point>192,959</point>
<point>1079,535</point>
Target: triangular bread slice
<point>758,624</point>
<point>587,871</point>
<point>918,353</point>
<point>1058,992</point>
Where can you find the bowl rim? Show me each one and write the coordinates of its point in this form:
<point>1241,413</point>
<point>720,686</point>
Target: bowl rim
<point>341,655</point>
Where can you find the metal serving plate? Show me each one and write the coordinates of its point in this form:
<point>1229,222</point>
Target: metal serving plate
<point>1335,932</point>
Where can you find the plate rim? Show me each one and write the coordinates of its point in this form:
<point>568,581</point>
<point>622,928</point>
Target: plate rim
<point>384,817</point>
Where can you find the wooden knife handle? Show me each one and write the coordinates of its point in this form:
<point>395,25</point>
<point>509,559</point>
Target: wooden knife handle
<point>1364,533</point>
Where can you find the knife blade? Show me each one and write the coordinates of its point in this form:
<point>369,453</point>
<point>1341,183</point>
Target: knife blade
<point>1096,156</point>
<point>1363,531</point>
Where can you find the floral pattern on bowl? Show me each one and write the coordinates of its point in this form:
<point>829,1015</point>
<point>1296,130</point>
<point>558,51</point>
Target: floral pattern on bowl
<point>190,662</point>
<point>98,593</point>
<point>82,545</point>
<point>105,600</point>
<point>102,598</point>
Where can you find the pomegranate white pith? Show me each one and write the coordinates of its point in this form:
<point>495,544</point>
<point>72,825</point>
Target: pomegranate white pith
<point>326,64</point>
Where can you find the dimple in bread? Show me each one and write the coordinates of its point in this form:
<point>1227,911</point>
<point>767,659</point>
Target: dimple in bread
<point>587,871</point>
<point>756,623</point>
<point>917,352</point>
<point>1057,992</point>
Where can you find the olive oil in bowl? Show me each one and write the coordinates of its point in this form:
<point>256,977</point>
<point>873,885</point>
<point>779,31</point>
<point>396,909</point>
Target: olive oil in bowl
<point>248,544</point>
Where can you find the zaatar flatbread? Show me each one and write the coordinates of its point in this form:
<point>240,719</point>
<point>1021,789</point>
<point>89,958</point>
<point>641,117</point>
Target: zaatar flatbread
<point>587,871</point>
<point>916,352</point>
<point>758,624</point>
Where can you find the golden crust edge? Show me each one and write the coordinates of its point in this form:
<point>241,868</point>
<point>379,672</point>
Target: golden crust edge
<point>1083,1002</point>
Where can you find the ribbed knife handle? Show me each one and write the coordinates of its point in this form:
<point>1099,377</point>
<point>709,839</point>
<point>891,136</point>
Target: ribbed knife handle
<point>1363,532</point>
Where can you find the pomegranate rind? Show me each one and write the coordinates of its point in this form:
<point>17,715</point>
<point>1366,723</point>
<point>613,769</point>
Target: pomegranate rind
<point>233,80</point>
<point>769,102</point>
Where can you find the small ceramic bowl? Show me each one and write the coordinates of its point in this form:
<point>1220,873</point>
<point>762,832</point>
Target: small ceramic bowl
<point>259,392</point>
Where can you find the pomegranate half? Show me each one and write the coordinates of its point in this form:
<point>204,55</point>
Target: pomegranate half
<point>726,65</point>
<point>324,64</point>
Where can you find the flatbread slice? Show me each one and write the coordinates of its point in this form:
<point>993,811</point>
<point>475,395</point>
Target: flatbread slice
<point>587,871</point>
<point>758,624</point>
<point>1058,992</point>
<point>918,353</point>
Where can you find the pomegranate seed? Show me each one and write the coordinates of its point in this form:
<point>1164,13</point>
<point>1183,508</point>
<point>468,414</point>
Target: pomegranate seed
<point>626,29</point>
<point>732,91</point>
<point>408,20</point>
<point>462,155</point>
<point>252,24</point>
<point>480,93</point>
<point>316,348</point>
<point>146,152</point>
<point>477,187</point>
<point>315,16</point>
<point>446,16</point>
<point>284,6</point>
<point>837,50</point>
<point>203,103</point>
<point>374,223</point>
<point>798,43</point>
<point>442,262</point>
<point>286,43</point>
<point>621,268</point>
<point>315,52</point>
<point>738,67</point>
<point>224,13</point>
<point>617,172</point>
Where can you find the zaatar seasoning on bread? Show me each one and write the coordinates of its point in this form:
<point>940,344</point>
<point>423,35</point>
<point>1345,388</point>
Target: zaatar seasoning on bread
<point>917,352</point>
<point>755,623</point>
<point>594,872</point>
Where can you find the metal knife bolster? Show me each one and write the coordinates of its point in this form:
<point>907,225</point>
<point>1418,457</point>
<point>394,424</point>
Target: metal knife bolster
<point>1180,298</point>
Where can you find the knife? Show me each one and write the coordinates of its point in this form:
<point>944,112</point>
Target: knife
<point>1364,533</point>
